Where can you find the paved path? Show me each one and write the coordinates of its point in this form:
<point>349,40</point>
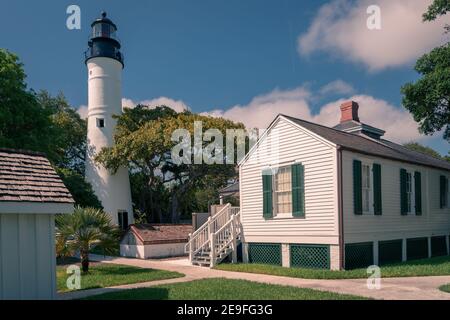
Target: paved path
<point>411,288</point>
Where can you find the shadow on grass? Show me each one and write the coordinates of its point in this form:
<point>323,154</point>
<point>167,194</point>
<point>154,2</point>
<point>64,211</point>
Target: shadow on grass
<point>445,288</point>
<point>122,270</point>
<point>134,294</point>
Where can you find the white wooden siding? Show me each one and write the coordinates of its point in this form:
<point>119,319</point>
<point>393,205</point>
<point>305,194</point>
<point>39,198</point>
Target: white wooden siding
<point>285,144</point>
<point>27,256</point>
<point>391,224</point>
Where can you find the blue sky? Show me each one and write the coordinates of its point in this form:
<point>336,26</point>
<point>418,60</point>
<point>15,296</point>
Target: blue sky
<point>214,55</point>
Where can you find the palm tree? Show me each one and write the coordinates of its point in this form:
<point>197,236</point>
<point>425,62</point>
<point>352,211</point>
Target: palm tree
<point>85,229</point>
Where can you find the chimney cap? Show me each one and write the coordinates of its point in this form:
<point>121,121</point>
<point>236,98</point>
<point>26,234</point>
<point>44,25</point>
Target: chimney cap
<point>349,111</point>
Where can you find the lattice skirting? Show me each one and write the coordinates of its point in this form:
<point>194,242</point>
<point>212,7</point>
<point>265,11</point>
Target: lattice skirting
<point>310,256</point>
<point>358,255</point>
<point>439,246</point>
<point>390,251</point>
<point>416,248</point>
<point>266,253</point>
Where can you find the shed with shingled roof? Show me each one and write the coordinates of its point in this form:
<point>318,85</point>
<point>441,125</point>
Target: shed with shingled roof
<point>31,193</point>
<point>155,240</point>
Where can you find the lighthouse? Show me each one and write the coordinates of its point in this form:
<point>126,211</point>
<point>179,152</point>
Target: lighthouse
<point>105,63</point>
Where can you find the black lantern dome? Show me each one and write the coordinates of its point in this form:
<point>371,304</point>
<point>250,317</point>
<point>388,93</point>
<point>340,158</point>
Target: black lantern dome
<point>103,41</point>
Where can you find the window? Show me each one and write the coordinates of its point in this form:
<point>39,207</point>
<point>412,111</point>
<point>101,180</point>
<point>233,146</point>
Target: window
<point>366,188</point>
<point>283,190</point>
<point>409,189</point>
<point>100,122</point>
<point>122,217</point>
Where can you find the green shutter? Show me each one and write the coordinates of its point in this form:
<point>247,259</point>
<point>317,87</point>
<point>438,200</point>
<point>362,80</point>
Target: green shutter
<point>357,186</point>
<point>267,194</point>
<point>377,207</point>
<point>298,190</point>
<point>403,195</point>
<point>442,191</point>
<point>418,192</point>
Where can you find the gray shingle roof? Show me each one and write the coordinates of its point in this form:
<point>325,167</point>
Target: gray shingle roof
<point>232,188</point>
<point>29,177</point>
<point>162,233</point>
<point>382,148</point>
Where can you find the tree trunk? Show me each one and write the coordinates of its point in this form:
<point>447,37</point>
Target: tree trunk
<point>159,214</point>
<point>84,255</point>
<point>175,203</point>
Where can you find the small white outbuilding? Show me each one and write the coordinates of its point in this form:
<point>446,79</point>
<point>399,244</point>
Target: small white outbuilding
<point>145,241</point>
<point>31,193</point>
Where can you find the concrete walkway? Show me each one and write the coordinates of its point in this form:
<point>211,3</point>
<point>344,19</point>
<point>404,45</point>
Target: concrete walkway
<point>411,288</point>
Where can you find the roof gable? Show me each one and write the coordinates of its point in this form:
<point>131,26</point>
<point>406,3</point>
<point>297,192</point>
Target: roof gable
<point>270,128</point>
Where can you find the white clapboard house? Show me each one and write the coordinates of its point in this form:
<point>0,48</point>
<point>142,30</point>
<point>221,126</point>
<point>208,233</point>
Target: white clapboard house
<point>340,198</point>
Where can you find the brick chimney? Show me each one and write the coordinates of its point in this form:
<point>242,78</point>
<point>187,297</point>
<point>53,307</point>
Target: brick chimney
<point>349,111</point>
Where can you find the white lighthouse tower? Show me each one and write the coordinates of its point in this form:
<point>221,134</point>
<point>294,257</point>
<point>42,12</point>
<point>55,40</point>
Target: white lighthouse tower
<point>104,62</point>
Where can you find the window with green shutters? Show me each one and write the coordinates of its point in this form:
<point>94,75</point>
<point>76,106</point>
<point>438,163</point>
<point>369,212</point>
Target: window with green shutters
<point>377,200</point>
<point>282,191</point>
<point>298,190</point>
<point>418,192</point>
<point>267,194</point>
<point>443,192</point>
<point>357,187</point>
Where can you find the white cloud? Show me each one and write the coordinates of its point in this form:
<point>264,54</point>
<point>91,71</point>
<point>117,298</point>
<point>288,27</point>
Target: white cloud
<point>340,27</point>
<point>264,108</point>
<point>83,111</point>
<point>177,105</point>
<point>376,112</point>
<point>337,87</point>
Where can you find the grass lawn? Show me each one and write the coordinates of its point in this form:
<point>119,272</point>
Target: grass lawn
<point>438,266</point>
<point>445,288</point>
<point>105,275</point>
<point>222,289</point>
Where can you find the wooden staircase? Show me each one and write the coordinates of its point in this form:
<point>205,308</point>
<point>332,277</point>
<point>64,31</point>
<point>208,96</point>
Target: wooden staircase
<point>217,239</point>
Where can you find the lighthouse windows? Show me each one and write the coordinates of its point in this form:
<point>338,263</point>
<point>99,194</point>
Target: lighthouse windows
<point>100,122</point>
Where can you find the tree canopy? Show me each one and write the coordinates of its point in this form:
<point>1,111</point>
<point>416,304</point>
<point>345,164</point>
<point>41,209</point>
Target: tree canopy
<point>436,9</point>
<point>40,122</point>
<point>415,146</point>
<point>81,190</point>
<point>428,98</point>
<point>69,140</point>
<point>24,123</point>
<point>143,143</point>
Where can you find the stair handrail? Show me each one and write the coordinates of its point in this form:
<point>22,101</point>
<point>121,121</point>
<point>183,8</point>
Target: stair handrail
<point>207,228</point>
<point>232,225</point>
